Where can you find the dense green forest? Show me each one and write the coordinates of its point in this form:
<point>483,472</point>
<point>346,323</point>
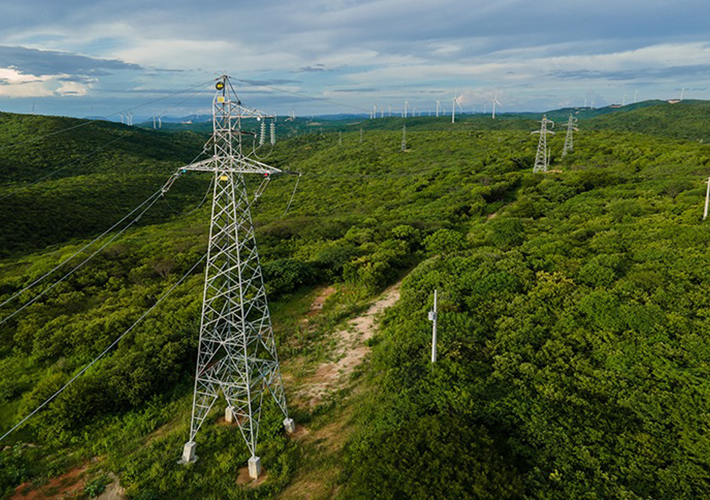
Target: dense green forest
<point>574,322</point>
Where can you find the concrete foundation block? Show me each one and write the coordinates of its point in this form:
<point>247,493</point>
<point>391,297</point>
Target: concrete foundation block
<point>229,415</point>
<point>254,467</point>
<point>188,452</point>
<point>289,425</point>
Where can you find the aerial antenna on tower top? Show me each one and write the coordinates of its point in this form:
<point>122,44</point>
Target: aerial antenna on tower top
<point>569,139</point>
<point>236,356</point>
<point>542,158</point>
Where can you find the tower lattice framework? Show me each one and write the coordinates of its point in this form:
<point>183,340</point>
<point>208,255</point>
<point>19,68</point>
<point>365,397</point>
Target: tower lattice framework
<point>569,138</point>
<point>237,356</point>
<point>542,158</point>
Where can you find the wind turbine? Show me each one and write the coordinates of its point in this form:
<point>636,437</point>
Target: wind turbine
<point>406,108</point>
<point>454,103</point>
<point>438,105</point>
<point>682,93</point>
<point>495,101</point>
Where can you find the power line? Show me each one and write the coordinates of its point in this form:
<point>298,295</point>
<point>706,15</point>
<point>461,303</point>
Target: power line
<point>299,94</point>
<point>81,249</point>
<point>293,195</point>
<point>207,193</point>
<point>105,351</point>
<point>155,197</point>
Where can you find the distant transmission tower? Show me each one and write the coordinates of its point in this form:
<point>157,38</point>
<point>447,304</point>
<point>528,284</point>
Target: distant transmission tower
<point>569,139</point>
<point>236,356</point>
<point>542,158</point>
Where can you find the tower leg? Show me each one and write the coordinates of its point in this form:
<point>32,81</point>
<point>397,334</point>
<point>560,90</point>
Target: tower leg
<point>254,467</point>
<point>188,452</point>
<point>289,425</point>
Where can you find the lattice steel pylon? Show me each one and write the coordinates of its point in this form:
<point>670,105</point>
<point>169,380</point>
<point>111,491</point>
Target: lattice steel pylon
<point>542,158</point>
<point>569,139</point>
<point>237,355</point>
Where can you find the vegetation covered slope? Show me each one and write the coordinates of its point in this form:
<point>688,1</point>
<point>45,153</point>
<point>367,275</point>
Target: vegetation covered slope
<point>62,178</point>
<point>573,343</point>
<point>688,120</point>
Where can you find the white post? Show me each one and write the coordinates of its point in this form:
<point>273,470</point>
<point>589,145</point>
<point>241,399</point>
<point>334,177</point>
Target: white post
<point>707,200</point>
<point>433,319</point>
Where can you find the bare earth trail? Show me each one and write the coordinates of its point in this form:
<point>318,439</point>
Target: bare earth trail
<point>322,445</point>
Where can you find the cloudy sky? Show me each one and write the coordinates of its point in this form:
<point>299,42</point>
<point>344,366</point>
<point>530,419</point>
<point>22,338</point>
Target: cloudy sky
<point>99,58</point>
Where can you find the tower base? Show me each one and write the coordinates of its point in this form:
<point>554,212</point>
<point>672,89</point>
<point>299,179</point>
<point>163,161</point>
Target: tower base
<point>229,415</point>
<point>254,467</point>
<point>289,425</point>
<point>188,453</point>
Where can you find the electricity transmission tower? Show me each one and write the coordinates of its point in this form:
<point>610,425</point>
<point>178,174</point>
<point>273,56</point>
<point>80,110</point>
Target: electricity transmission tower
<point>569,139</point>
<point>404,137</point>
<point>237,357</point>
<point>542,158</point>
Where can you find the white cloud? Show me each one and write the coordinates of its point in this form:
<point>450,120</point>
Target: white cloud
<point>16,84</point>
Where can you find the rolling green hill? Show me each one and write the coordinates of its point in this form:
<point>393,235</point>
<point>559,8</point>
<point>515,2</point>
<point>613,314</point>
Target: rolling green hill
<point>688,120</point>
<point>62,178</point>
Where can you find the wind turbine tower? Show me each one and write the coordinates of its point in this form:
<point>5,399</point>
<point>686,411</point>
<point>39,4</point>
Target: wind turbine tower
<point>454,103</point>
<point>236,357</point>
<point>569,139</point>
<point>438,105</point>
<point>495,101</point>
<point>542,158</point>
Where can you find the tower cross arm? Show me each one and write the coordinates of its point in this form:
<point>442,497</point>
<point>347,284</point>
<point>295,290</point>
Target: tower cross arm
<point>247,112</point>
<point>237,165</point>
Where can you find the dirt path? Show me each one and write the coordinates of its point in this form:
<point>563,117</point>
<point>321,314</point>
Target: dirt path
<point>349,352</point>
<point>322,441</point>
